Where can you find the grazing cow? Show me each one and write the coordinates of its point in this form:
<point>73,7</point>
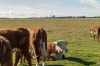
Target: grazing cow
<point>5,52</point>
<point>94,31</point>
<point>38,42</point>
<point>55,50</point>
<point>19,38</point>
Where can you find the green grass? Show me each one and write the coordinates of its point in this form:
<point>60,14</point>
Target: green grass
<point>83,50</point>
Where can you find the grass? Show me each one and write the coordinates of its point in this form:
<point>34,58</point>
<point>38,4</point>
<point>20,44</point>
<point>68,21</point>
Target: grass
<point>83,50</point>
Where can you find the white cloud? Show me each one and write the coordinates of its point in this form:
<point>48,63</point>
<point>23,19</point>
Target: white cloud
<point>84,8</point>
<point>29,11</point>
<point>93,3</point>
<point>23,14</point>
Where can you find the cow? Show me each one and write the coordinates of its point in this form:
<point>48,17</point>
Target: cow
<point>5,52</point>
<point>55,50</point>
<point>38,42</point>
<point>19,38</point>
<point>96,32</point>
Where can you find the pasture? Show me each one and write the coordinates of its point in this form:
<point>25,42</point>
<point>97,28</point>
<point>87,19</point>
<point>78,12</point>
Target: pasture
<point>83,50</point>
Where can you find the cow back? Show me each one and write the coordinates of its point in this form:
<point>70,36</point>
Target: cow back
<point>16,37</point>
<point>22,38</point>
<point>9,34</point>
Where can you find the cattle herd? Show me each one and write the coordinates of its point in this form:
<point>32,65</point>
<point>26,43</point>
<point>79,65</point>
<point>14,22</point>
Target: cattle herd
<point>27,44</point>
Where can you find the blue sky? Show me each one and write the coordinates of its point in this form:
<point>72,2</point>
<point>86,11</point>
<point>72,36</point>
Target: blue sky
<point>41,8</point>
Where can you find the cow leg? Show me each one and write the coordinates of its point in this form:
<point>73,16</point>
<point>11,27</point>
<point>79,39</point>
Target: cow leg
<point>94,37</point>
<point>17,57</point>
<point>28,57</point>
<point>2,61</point>
<point>9,61</point>
<point>51,58</point>
<point>21,58</point>
<point>37,60</point>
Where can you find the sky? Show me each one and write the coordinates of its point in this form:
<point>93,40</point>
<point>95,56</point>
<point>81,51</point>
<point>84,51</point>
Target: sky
<point>47,8</point>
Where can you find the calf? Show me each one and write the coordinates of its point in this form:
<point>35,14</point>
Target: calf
<point>19,38</point>
<point>38,42</point>
<point>5,52</point>
<point>55,50</point>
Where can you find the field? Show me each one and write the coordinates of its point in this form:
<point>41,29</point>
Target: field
<point>83,50</point>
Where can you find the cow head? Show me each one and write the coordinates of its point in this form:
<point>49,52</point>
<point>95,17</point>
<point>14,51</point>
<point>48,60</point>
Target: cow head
<point>61,46</point>
<point>94,31</point>
<point>91,30</point>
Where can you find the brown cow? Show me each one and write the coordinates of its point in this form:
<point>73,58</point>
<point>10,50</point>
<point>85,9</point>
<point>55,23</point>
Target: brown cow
<point>19,38</point>
<point>96,32</point>
<point>38,41</point>
<point>5,52</point>
<point>55,50</point>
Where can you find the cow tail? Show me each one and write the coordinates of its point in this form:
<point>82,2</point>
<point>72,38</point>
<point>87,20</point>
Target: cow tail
<point>44,37</point>
<point>2,51</point>
<point>43,42</point>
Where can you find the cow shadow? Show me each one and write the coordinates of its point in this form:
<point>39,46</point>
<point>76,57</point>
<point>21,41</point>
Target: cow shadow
<point>78,60</point>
